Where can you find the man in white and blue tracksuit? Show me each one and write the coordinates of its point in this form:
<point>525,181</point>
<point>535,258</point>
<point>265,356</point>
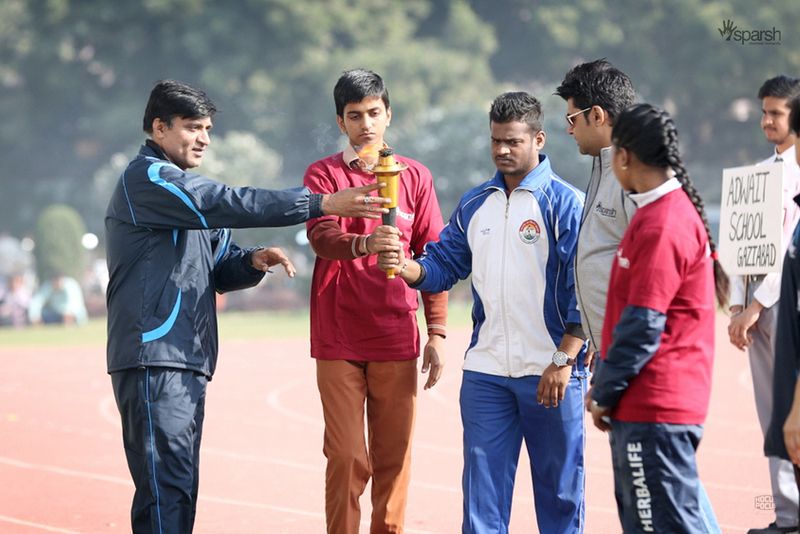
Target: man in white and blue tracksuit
<point>169,251</point>
<point>524,377</point>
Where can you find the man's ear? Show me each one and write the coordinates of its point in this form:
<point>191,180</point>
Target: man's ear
<point>624,156</point>
<point>598,116</point>
<point>340,122</point>
<point>159,127</point>
<point>539,139</point>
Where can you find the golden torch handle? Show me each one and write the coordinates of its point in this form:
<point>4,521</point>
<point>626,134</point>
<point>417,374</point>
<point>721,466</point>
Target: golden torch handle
<point>387,171</point>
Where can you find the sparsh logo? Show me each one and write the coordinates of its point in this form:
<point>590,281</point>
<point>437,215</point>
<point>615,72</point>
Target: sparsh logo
<point>731,32</point>
<point>727,29</point>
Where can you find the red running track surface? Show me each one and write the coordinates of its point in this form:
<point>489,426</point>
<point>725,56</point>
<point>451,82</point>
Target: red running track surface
<point>62,467</point>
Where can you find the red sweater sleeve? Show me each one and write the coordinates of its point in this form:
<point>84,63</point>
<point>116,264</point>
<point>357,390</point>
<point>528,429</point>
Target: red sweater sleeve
<point>330,242</point>
<point>435,305</point>
<point>325,234</point>
<point>429,225</point>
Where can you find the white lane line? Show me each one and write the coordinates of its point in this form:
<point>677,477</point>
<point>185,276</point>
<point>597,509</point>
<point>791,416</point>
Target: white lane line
<point>752,491</point>
<point>316,468</point>
<point>40,526</point>
<point>313,468</point>
<point>109,413</point>
<point>274,402</point>
<point>288,510</point>
<point>208,498</point>
<point>66,472</point>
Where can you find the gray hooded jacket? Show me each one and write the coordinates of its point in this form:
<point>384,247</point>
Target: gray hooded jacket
<point>606,215</point>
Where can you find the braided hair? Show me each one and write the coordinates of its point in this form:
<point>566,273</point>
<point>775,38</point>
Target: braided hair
<point>650,134</point>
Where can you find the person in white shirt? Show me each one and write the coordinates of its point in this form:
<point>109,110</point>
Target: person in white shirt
<point>754,299</point>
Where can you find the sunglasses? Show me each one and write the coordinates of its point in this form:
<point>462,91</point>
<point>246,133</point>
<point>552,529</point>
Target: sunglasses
<point>571,115</point>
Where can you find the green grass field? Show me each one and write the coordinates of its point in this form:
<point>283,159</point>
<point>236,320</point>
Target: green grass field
<point>232,325</point>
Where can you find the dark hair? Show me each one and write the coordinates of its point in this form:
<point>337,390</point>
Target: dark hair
<point>779,87</point>
<point>794,115</point>
<point>598,83</point>
<point>170,99</point>
<point>356,85</point>
<point>517,106</point>
<point>650,134</point>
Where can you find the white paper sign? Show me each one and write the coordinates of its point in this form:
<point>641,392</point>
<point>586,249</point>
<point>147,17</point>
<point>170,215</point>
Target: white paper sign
<point>751,219</point>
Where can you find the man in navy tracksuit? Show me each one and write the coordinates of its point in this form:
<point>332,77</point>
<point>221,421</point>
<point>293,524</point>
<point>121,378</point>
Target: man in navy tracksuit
<point>169,250</point>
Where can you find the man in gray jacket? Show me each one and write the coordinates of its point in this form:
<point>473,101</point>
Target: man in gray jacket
<point>596,93</point>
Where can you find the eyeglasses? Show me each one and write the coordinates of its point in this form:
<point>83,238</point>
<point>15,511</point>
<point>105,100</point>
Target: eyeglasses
<point>569,117</point>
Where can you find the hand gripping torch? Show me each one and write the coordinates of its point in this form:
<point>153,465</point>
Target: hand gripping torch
<point>387,172</point>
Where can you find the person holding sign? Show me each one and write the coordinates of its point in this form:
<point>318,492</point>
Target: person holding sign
<point>754,299</point>
<point>651,389</point>
<point>783,436</point>
<point>364,333</point>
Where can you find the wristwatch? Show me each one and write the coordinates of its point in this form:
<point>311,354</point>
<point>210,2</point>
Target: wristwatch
<point>562,359</point>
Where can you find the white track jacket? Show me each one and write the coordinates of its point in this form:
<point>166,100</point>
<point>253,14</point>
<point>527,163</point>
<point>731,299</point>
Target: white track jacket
<point>520,250</point>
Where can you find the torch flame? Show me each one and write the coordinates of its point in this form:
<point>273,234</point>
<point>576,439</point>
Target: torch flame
<point>369,152</point>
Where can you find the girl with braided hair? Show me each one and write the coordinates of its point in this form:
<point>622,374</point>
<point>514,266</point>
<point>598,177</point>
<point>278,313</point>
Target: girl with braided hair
<point>653,382</point>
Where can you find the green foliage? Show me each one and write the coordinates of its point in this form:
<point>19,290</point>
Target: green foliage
<point>239,159</point>
<point>674,54</point>
<point>58,243</point>
<point>454,145</point>
<point>74,78</point>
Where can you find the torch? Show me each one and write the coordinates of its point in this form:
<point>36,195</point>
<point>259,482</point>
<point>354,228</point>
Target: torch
<point>387,171</point>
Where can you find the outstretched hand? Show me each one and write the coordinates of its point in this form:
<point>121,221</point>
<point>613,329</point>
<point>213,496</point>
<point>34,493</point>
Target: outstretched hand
<point>264,258</point>
<point>355,202</point>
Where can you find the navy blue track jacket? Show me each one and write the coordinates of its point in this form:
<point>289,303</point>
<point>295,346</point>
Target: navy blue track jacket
<point>169,249</point>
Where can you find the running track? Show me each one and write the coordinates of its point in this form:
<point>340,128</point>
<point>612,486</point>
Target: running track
<point>62,467</point>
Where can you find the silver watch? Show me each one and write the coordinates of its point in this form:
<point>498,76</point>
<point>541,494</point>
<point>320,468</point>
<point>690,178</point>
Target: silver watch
<point>562,359</point>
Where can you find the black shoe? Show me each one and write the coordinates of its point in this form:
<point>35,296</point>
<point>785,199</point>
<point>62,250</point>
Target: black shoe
<point>773,528</point>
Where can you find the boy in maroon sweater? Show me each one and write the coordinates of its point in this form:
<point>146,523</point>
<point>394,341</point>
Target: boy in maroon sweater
<point>363,327</point>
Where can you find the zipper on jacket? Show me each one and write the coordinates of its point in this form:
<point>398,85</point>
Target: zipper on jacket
<point>503,306</point>
<point>578,296</point>
<point>584,217</point>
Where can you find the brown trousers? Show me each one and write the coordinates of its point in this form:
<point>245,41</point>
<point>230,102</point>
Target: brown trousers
<point>389,390</point>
